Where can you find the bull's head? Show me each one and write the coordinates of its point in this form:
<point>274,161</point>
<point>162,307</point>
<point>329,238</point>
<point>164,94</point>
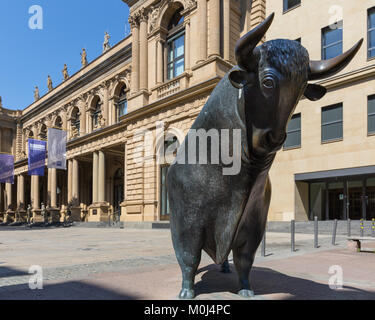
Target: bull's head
<point>274,76</point>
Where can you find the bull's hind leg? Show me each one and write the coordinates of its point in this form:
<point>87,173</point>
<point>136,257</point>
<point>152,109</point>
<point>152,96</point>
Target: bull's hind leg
<point>188,253</point>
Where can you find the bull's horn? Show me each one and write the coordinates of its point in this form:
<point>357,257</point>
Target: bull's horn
<point>325,68</point>
<point>246,45</point>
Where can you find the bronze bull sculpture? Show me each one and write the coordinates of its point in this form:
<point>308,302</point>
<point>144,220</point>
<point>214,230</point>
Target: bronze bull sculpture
<point>219,213</point>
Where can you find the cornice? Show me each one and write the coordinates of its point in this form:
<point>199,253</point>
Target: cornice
<point>89,77</point>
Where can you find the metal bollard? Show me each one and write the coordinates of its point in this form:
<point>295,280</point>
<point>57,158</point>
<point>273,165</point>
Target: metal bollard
<point>373,227</point>
<point>293,235</point>
<point>316,244</point>
<point>334,232</point>
<point>264,245</point>
<point>362,227</point>
<point>349,228</point>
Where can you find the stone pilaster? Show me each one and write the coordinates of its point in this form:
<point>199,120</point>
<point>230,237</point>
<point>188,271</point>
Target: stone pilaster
<point>214,29</point>
<point>134,23</point>
<point>143,50</point>
<point>202,37</point>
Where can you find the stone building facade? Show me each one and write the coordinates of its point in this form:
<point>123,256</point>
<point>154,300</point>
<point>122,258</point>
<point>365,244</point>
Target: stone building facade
<point>327,169</point>
<point>158,79</point>
<point>161,74</point>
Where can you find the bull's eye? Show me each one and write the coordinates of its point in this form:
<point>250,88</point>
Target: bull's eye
<point>268,83</point>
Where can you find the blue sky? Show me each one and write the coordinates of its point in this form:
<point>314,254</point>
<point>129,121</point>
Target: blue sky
<point>28,56</point>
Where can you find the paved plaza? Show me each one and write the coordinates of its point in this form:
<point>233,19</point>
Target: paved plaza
<point>114,263</point>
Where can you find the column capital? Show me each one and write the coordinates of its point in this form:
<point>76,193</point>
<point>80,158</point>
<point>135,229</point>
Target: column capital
<point>133,21</point>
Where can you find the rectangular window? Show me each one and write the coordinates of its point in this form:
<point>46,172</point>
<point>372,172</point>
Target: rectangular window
<point>293,132</point>
<point>289,4</point>
<point>176,56</point>
<point>371,33</point>
<point>371,115</point>
<point>332,41</point>
<point>332,123</point>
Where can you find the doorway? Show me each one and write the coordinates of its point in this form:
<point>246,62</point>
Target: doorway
<point>118,189</point>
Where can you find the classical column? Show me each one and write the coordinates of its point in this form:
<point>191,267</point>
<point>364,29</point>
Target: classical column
<point>143,52</point>
<point>202,28</point>
<point>135,54</point>
<point>214,28</point>
<point>101,177</point>
<point>35,191</point>
<point>21,192</point>
<point>160,71</point>
<point>8,189</point>
<point>53,187</point>
<point>187,45</point>
<point>75,181</point>
<point>226,27</point>
<point>95,177</point>
<point>49,186</point>
<point>70,169</point>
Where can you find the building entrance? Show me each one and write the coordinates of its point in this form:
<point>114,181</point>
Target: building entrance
<point>342,198</point>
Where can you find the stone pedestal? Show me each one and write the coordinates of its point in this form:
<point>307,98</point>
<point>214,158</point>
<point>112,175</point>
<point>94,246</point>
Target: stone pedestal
<point>9,216</point>
<point>21,216</point>
<point>37,216</point>
<point>98,212</point>
<point>54,215</point>
<point>76,214</point>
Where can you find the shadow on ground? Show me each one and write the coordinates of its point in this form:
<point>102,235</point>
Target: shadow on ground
<point>266,281</point>
<point>6,272</point>
<point>73,290</point>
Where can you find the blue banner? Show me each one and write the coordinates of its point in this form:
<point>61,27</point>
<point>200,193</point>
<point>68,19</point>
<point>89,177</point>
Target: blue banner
<point>37,157</point>
<point>6,168</point>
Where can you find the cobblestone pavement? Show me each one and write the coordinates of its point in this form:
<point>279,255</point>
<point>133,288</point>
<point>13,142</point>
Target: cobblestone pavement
<point>109,263</point>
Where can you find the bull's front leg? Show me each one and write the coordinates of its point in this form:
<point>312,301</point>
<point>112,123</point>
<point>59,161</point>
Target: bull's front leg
<point>250,236</point>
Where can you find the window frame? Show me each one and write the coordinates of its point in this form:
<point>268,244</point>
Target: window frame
<point>95,114</point>
<point>341,105</point>
<point>285,6</point>
<point>369,30</point>
<point>293,131</point>
<point>171,39</point>
<point>324,47</point>
<point>370,133</point>
<point>122,101</point>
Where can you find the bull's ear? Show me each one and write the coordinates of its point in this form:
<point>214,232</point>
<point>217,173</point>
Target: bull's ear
<point>239,78</point>
<point>314,92</point>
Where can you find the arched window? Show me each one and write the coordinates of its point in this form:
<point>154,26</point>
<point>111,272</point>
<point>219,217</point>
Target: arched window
<point>96,113</point>
<point>176,46</point>
<point>58,123</point>
<point>75,121</point>
<point>43,132</point>
<point>122,105</point>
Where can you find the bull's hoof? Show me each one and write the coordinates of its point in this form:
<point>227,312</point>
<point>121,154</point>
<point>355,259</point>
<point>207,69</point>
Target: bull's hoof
<point>246,293</point>
<point>186,294</point>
